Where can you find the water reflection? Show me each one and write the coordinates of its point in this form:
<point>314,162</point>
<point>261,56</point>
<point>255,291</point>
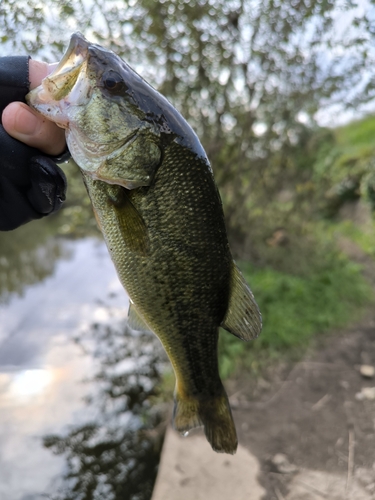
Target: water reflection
<point>27,256</point>
<point>28,383</point>
<point>63,319</point>
<point>41,366</point>
<point>115,455</point>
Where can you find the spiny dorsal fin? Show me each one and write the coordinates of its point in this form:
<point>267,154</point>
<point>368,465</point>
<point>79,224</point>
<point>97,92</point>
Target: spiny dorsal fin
<point>135,321</point>
<point>243,318</point>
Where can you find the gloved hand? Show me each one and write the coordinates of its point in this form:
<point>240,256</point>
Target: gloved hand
<point>31,184</point>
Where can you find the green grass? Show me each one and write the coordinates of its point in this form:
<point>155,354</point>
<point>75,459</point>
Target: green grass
<point>357,132</point>
<point>347,154</point>
<point>295,309</point>
<point>363,236</point>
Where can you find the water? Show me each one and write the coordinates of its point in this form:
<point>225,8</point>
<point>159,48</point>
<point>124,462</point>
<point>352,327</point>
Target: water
<point>63,319</point>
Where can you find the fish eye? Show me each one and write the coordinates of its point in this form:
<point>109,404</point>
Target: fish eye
<point>114,82</point>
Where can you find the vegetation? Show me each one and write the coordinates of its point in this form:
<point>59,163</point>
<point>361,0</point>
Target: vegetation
<point>295,309</point>
<point>344,170</point>
<point>254,79</point>
<point>305,286</point>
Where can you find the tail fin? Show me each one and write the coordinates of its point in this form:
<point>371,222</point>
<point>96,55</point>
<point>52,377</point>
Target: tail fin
<point>214,414</point>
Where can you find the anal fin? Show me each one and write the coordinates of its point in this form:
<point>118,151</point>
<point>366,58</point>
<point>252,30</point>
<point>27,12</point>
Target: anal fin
<point>243,318</point>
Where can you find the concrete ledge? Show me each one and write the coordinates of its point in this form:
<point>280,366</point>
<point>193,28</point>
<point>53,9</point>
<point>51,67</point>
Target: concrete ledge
<point>190,470</point>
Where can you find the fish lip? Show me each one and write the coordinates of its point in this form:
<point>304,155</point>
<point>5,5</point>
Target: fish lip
<point>78,46</point>
<point>73,57</point>
<point>60,82</point>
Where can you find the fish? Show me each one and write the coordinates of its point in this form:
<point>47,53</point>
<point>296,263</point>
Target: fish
<point>156,203</point>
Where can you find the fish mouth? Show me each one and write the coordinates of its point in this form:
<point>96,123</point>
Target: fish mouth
<point>61,83</point>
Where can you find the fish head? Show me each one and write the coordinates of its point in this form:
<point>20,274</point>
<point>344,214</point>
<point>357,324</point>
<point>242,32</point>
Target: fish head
<point>105,107</point>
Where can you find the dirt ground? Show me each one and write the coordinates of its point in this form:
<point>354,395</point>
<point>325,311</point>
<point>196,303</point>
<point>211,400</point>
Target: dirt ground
<point>312,424</point>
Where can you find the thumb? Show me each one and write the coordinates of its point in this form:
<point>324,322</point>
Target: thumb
<point>24,124</point>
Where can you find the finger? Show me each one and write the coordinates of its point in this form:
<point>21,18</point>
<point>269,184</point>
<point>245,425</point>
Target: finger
<point>34,130</point>
<point>39,70</point>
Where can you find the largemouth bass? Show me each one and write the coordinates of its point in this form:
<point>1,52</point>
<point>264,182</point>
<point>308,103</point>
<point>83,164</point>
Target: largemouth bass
<point>157,205</point>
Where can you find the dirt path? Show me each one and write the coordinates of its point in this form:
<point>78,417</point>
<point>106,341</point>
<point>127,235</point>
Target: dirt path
<point>312,424</point>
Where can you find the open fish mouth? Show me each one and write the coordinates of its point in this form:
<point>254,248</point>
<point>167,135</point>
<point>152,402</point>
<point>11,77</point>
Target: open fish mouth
<point>62,82</point>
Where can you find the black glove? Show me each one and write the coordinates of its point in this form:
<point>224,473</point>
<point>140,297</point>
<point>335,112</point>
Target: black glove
<point>31,184</point>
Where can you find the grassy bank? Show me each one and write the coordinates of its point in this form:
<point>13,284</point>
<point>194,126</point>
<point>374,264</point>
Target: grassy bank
<point>306,287</point>
<point>295,309</point>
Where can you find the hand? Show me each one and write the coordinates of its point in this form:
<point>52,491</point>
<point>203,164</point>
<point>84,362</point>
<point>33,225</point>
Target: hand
<point>22,123</point>
<point>31,185</point>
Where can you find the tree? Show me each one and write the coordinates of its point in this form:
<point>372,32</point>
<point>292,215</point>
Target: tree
<point>249,75</point>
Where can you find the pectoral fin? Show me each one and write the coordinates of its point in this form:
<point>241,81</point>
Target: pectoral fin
<point>243,318</point>
<point>113,208</point>
<point>129,221</point>
<point>133,166</point>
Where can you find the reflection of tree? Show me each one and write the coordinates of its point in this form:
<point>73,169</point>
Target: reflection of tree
<point>27,256</point>
<point>116,456</point>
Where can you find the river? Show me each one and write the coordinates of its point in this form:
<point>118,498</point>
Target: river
<point>71,372</point>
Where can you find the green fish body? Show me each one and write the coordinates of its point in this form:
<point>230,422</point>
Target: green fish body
<point>157,205</point>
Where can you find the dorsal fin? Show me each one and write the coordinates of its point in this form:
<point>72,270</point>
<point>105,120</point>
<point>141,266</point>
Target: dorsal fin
<point>243,318</point>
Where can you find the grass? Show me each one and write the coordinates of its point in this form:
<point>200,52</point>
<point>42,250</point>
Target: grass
<point>358,132</point>
<point>295,309</point>
<point>363,236</point>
